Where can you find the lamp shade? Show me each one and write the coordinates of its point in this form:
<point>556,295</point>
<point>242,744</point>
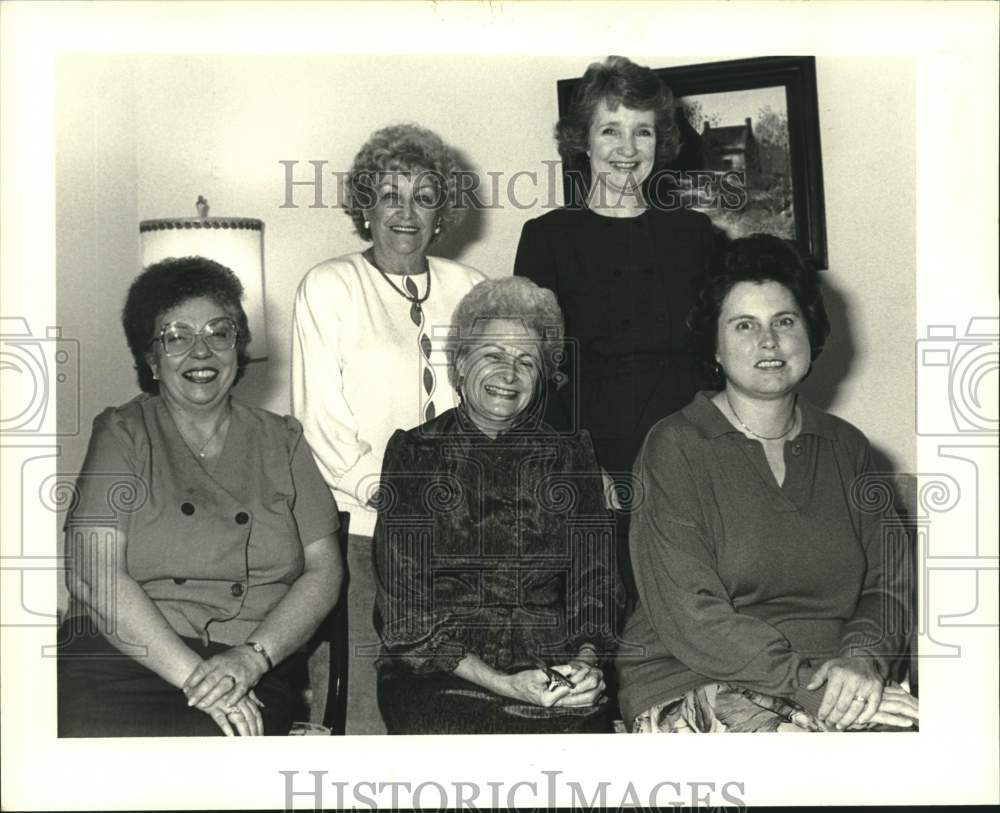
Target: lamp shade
<point>235,242</point>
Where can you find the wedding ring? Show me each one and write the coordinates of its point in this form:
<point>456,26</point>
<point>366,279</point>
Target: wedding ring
<point>862,699</point>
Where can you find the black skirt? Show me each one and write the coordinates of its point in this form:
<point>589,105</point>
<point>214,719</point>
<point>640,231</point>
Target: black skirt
<point>103,693</point>
<point>446,704</point>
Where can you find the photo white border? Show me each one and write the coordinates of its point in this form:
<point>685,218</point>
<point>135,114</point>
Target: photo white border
<point>954,756</point>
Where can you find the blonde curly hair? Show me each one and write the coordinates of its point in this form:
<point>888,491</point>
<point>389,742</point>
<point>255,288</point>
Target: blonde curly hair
<point>405,148</point>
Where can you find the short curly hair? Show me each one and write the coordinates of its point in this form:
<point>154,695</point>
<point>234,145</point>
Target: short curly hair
<point>170,283</point>
<point>514,298</point>
<point>406,148</point>
<point>617,81</point>
<point>756,258</point>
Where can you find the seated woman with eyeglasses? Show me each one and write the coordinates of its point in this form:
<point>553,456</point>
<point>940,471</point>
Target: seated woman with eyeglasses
<point>202,538</point>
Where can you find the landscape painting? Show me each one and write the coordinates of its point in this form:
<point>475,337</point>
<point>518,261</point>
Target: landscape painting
<point>744,131</point>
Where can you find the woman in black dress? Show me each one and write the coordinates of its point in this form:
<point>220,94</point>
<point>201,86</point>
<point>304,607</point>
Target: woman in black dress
<point>625,266</point>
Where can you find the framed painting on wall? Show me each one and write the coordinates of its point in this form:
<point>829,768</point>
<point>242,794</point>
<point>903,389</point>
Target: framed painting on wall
<point>750,153</point>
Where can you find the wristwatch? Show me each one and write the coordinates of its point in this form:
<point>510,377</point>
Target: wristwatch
<point>259,649</point>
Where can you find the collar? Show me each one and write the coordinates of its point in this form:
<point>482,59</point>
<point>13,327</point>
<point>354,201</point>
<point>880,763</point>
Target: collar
<point>710,421</point>
<point>525,429</point>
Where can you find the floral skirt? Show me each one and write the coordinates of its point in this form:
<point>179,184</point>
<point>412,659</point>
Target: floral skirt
<point>722,707</point>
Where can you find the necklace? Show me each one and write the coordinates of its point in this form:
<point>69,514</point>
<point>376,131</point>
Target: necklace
<point>410,292</point>
<point>749,431</point>
<point>201,451</point>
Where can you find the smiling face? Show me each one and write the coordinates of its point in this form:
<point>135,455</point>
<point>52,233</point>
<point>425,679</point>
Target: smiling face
<point>762,342</point>
<point>200,378</point>
<point>402,219</point>
<point>622,146</point>
<point>500,373</point>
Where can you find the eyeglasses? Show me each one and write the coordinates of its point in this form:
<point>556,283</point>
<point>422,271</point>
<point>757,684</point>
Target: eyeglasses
<point>179,338</point>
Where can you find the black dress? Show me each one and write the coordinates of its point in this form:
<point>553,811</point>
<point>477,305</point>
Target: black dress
<point>626,286</point>
<point>500,548</point>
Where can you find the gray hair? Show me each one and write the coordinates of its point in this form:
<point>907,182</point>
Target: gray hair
<point>519,300</point>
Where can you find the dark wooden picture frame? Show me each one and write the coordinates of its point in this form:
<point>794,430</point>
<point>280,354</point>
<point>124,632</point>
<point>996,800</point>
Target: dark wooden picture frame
<point>802,154</point>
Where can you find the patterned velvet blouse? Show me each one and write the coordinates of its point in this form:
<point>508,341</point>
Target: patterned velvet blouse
<point>501,548</point>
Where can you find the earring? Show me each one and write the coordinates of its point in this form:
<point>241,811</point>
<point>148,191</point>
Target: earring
<point>367,225</point>
<point>437,229</point>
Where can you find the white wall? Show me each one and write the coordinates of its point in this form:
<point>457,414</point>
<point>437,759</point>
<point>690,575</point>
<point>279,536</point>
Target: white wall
<point>868,132</point>
<point>142,137</point>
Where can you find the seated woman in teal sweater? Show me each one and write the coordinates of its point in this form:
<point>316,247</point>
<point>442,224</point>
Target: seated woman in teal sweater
<point>769,599</point>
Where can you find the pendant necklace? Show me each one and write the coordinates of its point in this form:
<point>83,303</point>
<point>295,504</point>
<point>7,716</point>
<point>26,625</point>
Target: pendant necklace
<point>409,289</point>
<point>192,446</point>
<point>749,431</point>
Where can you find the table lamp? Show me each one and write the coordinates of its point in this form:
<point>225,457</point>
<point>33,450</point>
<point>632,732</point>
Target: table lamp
<point>235,242</point>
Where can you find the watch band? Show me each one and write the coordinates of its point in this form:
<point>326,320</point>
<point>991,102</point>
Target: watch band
<point>259,648</point>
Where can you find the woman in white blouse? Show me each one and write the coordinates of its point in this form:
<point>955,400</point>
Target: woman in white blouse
<point>367,351</point>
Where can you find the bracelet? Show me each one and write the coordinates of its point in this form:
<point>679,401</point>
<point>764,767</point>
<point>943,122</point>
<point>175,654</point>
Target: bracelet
<point>259,649</point>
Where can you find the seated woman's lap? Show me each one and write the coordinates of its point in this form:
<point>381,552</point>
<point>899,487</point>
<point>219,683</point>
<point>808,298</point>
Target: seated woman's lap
<point>446,704</point>
<point>102,693</point>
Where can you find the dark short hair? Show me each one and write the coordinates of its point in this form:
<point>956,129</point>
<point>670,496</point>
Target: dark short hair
<point>170,283</point>
<point>757,258</point>
<point>617,81</point>
<point>402,148</point>
<point>515,298</point>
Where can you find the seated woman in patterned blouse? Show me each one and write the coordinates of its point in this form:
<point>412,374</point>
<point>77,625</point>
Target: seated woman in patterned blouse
<point>497,596</point>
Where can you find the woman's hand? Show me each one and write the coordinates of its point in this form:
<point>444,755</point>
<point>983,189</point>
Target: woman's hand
<point>588,682</point>
<point>227,676</point>
<point>532,686</point>
<point>896,708</point>
<point>853,691</point>
<point>243,718</point>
